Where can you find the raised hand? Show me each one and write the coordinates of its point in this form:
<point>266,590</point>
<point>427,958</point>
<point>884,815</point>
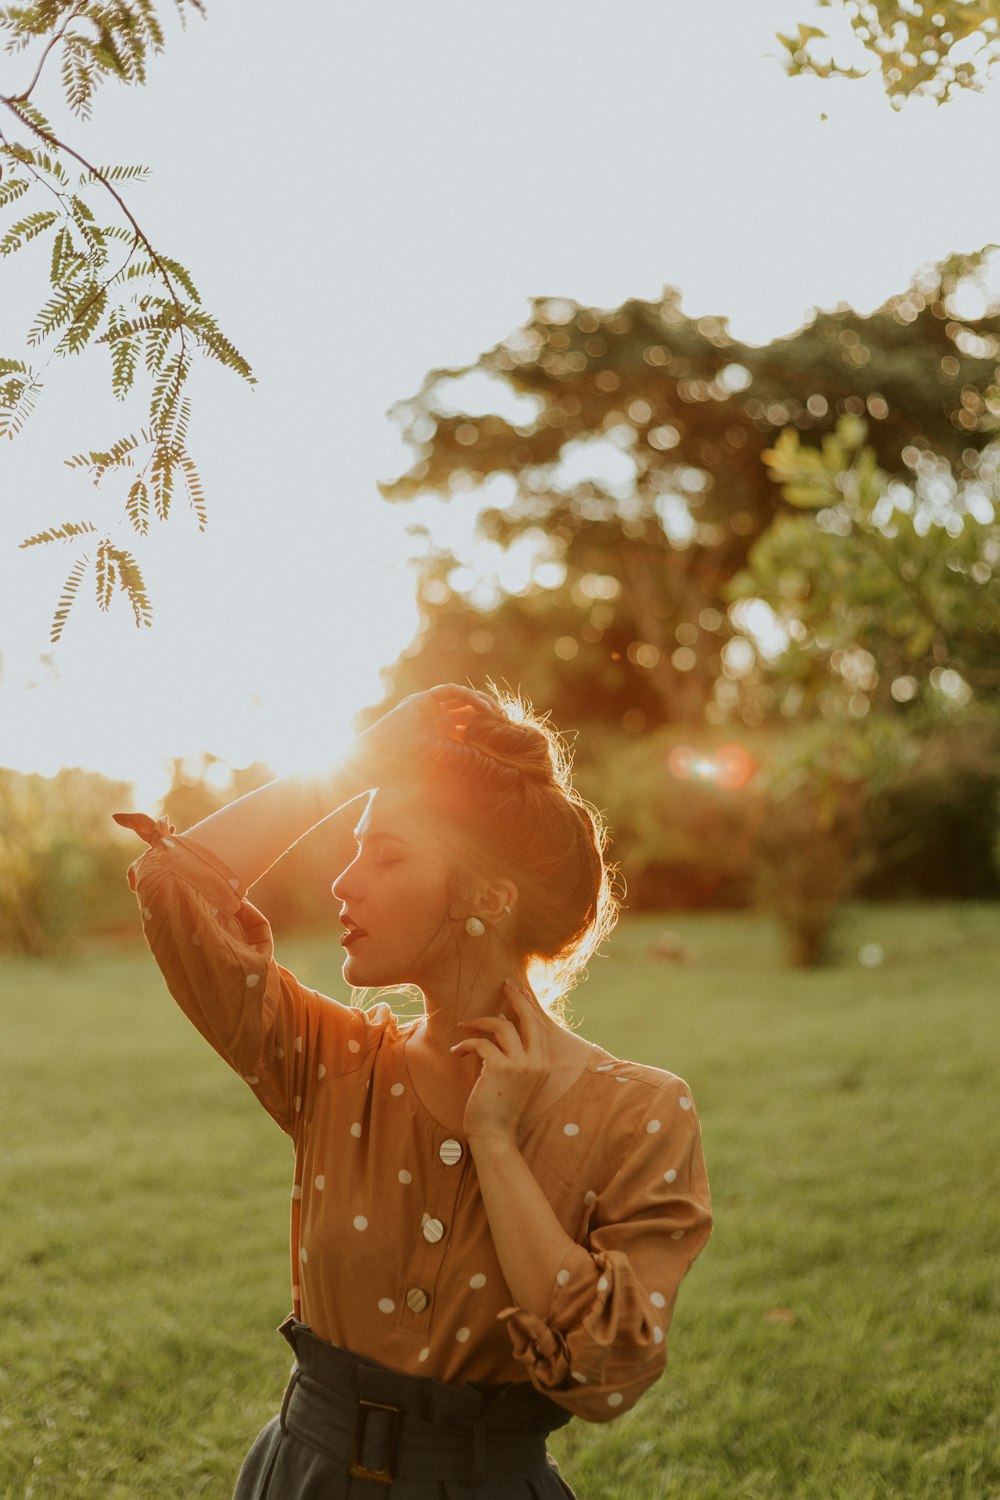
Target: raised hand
<point>420,720</point>
<point>515,1063</point>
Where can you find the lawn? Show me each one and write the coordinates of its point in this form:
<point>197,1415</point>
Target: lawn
<point>838,1339</point>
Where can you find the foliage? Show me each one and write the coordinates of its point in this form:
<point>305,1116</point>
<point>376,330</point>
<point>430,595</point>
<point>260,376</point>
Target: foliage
<point>628,480</point>
<point>108,285</point>
<point>929,49</point>
<point>62,860</point>
<point>887,594</point>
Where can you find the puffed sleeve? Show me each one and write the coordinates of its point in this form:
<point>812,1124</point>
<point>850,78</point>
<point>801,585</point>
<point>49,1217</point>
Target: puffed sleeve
<point>216,954</point>
<point>604,1341</point>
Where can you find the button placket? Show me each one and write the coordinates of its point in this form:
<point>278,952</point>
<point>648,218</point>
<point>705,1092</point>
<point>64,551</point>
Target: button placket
<point>433,1236</point>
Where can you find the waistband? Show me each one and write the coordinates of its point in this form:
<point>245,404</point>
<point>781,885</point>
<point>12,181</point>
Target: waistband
<point>386,1425</point>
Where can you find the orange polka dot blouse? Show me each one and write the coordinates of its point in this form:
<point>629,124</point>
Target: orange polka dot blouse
<point>391,1251</point>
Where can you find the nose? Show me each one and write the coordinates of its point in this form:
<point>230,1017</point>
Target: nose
<point>344,888</point>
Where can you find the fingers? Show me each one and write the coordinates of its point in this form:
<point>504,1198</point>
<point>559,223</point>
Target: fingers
<point>475,1045</point>
<point>501,1031</point>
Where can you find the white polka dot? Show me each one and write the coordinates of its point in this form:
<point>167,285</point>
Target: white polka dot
<point>423,1355</point>
<point>620,1078</point>
<point>657,1299</point>
<point>235,883</point>
<point>360,1222</point>
<point>590,1197</point>
<point>477,1281</point>
<point>386,1305</point>
<point>657,1335</point>
<point>404,1176</point>
<point>251,1078</point>
<point>603,1284</point>
<point>279,1053</point>
<point>320,1182</point>
<point>462,1335</point>
<point>396,1089</point>
<point>652,1126</point>
<point>169,843</point>
<point>252,981</point>
<point>298,1101</point>
<point>303,1254</point>
<point>562,1276</point>
<point>670,1176</point>
<point>616,1398</point>
<point>571,1130</point>
<point>295,1294</point>
<point>353,1046</point>
<point>297,1191</point>
<point>678,1234</point>
<point>196,939</point>
<point>604,1068</point>
<point>147,913</point>
<point>684,1102</point>
<point>298,1044</point>
<point>321,1071</point>
<point>580,1379</point>
<point>356,1129</point>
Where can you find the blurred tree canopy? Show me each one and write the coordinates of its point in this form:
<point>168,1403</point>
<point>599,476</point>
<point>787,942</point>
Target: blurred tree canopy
<point>930,48</point>
<point>634,474</point>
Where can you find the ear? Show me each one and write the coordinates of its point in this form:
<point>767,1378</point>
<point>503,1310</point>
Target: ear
<point>495,900</point>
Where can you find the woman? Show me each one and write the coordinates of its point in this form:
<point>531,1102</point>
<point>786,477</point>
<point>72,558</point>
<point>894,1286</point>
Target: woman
<point>490,1216</point>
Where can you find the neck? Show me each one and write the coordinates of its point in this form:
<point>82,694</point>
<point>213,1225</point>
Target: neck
<point>473,988</point>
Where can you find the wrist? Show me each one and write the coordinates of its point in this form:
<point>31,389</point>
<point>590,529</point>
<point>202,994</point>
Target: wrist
<point>491,1143</point>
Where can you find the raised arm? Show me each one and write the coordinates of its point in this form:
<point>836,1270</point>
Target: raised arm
<point>250,834</point>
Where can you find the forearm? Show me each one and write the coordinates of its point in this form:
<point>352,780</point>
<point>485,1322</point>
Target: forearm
<point>532,1246</point>
<point>251,833</point>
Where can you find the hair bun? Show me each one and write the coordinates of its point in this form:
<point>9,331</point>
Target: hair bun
<point>521,747</point>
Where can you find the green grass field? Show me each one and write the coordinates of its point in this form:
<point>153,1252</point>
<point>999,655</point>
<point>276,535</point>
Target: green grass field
<point>838,1340</point>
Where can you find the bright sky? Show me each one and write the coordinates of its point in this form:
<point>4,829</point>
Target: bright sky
<point>364,193</point>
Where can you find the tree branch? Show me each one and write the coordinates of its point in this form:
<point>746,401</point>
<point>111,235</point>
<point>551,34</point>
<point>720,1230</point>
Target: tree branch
<point>53,42</point>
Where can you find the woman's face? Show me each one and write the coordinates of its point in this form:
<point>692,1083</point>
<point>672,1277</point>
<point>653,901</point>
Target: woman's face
<point>395,898</point>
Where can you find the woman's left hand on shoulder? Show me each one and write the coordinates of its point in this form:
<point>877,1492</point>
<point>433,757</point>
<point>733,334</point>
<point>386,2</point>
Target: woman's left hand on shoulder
<point>515,1064</point>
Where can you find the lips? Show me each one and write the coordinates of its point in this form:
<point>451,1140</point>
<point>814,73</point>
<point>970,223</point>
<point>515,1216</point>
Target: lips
<point>352,934</point>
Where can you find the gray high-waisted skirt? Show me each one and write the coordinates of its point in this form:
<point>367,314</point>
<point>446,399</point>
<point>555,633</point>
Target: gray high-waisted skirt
<point>351,1429</point>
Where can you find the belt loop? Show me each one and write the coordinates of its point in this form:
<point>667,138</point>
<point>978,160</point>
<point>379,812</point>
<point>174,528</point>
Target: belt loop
<point>289,1392</point>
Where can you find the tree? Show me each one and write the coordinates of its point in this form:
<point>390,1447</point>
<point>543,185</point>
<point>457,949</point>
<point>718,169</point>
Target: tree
<point>922,49</point>
<point>108,284</point>
<point>636,482</point>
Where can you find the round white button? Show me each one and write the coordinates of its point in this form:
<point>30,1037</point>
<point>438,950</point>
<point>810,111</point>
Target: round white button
<point>450,1152</point>
<point>433,1230</point>
<point>417,1299</point>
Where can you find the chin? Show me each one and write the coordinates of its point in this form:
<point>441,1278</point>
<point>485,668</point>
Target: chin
<point>363,974</point>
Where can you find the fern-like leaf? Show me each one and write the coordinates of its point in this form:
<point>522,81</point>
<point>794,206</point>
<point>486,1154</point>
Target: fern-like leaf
<point>78,78</point>
<point>137,506</point>
<point>12,190</point>
<point>63,533</point>
<point>67,597</point>
<point>27,229</point>
<point>86,317</point>
<point>124,356</point>
<point>57,311</point>
<point>87,225</point>
<point>162,474</point>
<point>183,276</point>
<point>132,582</point>
<point>105,570</point>
<point>117,173</point>
<point>196,494</point>
<point>17,401</point>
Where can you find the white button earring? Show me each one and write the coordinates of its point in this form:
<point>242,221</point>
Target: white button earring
<point>474,927</point>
